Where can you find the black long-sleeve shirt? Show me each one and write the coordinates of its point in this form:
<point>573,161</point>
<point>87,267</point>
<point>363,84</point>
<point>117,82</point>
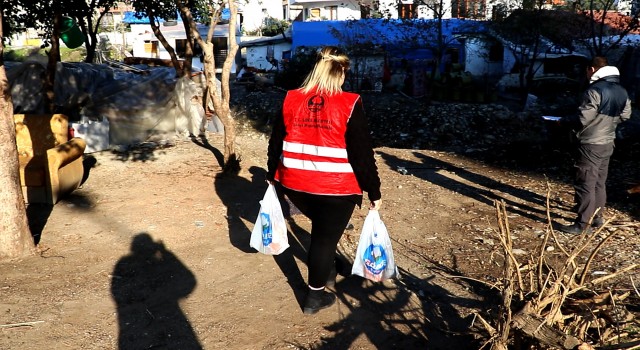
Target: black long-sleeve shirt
<point>359,152</point>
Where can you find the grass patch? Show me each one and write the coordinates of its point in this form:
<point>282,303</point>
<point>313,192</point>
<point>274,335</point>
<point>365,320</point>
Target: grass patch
<point>22,54</point>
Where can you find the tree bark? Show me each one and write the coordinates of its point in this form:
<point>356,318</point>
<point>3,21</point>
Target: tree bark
<point>219,97</point>
<point>54,57</point>
<point>537,329</point>
<point>15,237</point>
<point>231,160</point>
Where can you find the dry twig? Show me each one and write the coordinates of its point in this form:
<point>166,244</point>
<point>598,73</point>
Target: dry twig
<point>20,324</point>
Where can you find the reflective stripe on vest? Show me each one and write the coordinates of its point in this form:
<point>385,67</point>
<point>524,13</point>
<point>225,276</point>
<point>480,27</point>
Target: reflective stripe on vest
<point>317,164</point>
<point>314,150</point>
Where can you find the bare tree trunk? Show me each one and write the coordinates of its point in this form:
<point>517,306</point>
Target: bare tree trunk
<point>15,237</point>
<point>219,97</point>
<point>54,57</point>
<point>91,35</point>
<point>231,160</point>
<point>188,23</point>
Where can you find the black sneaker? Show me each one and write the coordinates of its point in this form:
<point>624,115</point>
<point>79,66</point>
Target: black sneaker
<point>574,229</point>
<point>317,300</point>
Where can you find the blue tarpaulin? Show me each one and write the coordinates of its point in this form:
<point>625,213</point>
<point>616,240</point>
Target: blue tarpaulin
<point>130,17</point>
<point>410,39</point>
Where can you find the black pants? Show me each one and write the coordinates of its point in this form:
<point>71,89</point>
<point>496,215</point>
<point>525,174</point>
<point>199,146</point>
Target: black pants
<point>592,168</point>
<point>329,217</point>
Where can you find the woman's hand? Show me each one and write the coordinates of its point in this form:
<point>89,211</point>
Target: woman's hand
<point>375,205</point>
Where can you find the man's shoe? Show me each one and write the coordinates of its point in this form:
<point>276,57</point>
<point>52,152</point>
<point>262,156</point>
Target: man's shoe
<point>317,300</point>
<point>574,229</point>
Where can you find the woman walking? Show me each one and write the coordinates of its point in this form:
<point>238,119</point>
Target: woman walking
<point>321,153</point>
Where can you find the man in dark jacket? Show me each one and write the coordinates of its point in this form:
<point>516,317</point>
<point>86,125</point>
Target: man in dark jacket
<point>604,105</point>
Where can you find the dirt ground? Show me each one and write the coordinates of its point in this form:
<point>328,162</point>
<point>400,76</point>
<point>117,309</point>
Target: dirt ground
<point>152,252</point>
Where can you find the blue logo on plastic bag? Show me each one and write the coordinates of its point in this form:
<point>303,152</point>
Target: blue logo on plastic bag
<point>267,233</point>
<point>375,259</point>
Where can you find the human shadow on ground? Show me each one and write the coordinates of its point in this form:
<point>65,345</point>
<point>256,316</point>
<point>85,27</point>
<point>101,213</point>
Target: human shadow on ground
<point>476,186</point>
<point>147,286</point>
<point>242,198</point>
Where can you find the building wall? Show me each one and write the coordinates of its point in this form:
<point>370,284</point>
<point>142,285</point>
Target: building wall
<point>477,59</point>
<point>256,56</point>
<point>254,13</point>
<point>390,8</point>
<point>330,10</point>
<point>143,41</point>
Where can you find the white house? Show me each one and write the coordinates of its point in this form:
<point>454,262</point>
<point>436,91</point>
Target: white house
<point>265,53</point>
<point>255,13</point>
<point>145,43</point>
<point>332,10</point>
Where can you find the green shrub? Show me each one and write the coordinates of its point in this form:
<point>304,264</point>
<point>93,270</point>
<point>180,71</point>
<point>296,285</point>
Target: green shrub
<point>271,27</point>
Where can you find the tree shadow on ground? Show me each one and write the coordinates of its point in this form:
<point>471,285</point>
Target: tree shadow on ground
<point>476,186</point>
<point>203,142</point>
<point>139,152</point>
<point>242,198</point>
<point>147,286</point>
<point>412,313</point>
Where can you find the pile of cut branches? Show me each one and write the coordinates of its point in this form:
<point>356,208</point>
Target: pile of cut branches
<point>552,303</point>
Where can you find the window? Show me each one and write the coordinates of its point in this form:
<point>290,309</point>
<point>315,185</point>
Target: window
<point>220,50</point>
<point>406,11</point>
<point>270,52</point>
<point>452,54</point>
<point>181,47</point>
<point>468,8</point>
<point>333,12</point>
<point>314,13</point>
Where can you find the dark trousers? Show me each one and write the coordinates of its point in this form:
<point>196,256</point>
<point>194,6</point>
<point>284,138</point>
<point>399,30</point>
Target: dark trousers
<point>329,217</point>
<point>591,170</point>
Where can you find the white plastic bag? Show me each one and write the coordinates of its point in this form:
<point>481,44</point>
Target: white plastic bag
<point>374,256</point>
<point>269,235</point>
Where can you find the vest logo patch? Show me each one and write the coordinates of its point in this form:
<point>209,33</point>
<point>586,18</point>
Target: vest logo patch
<point>315,104</point>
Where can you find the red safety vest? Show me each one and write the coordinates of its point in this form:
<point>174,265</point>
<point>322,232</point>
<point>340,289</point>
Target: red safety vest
<point>314,151</point>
